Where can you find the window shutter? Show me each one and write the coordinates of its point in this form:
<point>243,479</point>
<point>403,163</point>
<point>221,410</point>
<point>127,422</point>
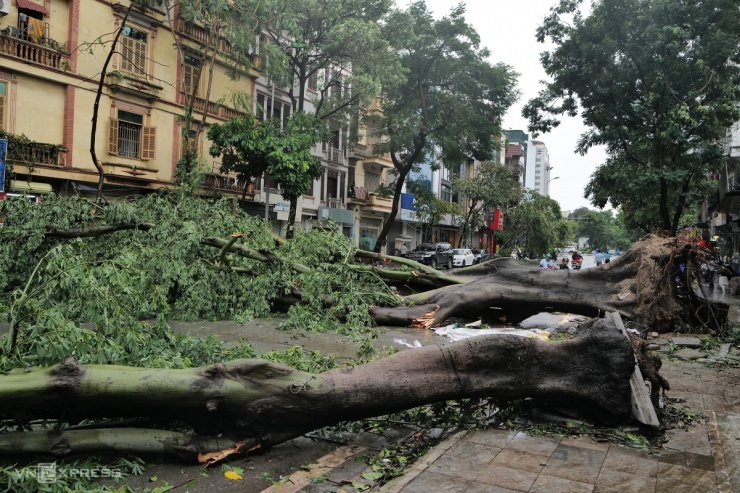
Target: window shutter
<point>187,79</point>
<point>127,54</point>
<point>140,57</point>
<point>148,140</point>
<point>113,137</point>
<point>2,112</point>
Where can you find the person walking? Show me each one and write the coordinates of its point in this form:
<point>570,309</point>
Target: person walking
<point>607,257</point>
<point>599,257</point>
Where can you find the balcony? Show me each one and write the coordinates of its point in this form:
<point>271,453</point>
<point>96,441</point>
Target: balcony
<point>222,183</point>
<point>201,35</point>
<point>357,194</point>
<point>376,203</point>
<point>335,155</point>
<point>30,153</point>
<point>334,203</point>
<point>45,52</point>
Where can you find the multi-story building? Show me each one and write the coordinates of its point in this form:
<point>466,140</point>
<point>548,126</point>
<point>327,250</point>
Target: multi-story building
<point>723,210</point>
<point>541,169</point>
<point>52,57</point>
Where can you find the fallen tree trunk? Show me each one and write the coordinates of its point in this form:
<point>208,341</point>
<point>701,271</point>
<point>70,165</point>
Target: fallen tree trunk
<point>657,283</point>
<point>264,403</point>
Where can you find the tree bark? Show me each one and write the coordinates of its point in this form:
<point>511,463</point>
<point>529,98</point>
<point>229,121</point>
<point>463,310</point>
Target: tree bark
<point>640,285</point>
<point>266,403</point>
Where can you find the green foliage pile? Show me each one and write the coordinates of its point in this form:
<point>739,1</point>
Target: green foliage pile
<point>123,286</point>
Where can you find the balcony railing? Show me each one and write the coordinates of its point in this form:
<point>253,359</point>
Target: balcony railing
<point>221,182</point>
<point>334,203</point>
<point>46,52</point>
<point>335,155</point>
<point>35,153</point>
<point>357,193</point>
<point>201,35</point>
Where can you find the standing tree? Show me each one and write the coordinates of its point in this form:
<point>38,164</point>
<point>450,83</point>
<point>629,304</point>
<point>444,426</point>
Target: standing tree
<point>451,98</point>
<point>535,222</point>
<point>657,83</point>
<point>492,186</point>
<point>283,151</point>
<point>330,56</point>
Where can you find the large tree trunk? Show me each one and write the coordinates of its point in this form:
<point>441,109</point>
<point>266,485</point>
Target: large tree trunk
<point>266,403</point>
<point>640,285</point>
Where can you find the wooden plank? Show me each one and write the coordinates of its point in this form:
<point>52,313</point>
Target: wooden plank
<point>642,406</point>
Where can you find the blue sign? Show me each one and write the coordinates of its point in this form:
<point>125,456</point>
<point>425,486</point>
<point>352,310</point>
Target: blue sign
<point>3,152</point>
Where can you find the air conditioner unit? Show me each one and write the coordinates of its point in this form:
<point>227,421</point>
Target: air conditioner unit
<point>4,7</point>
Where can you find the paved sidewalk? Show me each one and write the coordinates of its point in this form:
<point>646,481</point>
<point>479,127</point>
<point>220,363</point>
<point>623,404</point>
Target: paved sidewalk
<point>704,459</point>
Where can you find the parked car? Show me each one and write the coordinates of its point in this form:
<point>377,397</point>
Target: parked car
<point>433,254</point>
<point>482,256</point>
<point>462,257</point>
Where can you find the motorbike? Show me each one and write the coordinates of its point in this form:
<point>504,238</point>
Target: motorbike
<point>576,264</point>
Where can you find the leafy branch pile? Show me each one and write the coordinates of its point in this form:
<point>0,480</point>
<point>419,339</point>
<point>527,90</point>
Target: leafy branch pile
<point>124,285</point>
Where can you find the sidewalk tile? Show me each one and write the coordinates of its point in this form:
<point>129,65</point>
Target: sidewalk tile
<point>506,477</point>
<point>553,484</point>
<point>610,481</point>
<point>428,481</point>
<point>585,442</point>
<point>695,440</point>
<point>575,471</point>
<point>635,462</point>
<point>691,400</point>
<point>578,454</point>
<point>476,487</point>
<point>533,445</point>
<point>714,403</point>
<point>495,438</point>
<point>466,450</point>
<point>520,460</point>
<point>465,468</point>
<point>678,478</point>
<point>688,459</point>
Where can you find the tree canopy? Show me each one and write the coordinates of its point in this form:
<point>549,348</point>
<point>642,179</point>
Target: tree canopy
<point>492,186</point>
<point>450,98</point>
<point>283,150</point>
<point>656,82</point>
<point>535,224</point>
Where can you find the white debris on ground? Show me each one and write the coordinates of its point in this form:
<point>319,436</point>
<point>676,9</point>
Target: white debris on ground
<point>455,333</point>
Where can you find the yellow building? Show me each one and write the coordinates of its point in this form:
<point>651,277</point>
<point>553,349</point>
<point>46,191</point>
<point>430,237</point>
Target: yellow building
<point>51,56</point>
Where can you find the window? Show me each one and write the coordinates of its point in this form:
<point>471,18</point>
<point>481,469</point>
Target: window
<point>133,51</point>
<point>372,181</point>
<point>190,142</point>
<point>3,104</point>
<point>128,137</point>
<point>313,81</point>
<point>31,25</point>
<point>446,194</point>
<point>190,74</point>
<point>267,108</point>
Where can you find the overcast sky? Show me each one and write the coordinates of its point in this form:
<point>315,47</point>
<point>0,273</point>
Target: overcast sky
<point>507,29</point>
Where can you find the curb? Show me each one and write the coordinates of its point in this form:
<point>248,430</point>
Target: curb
<point>396,485</point>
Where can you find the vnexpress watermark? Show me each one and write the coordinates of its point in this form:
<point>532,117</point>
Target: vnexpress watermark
<point>49,472</point>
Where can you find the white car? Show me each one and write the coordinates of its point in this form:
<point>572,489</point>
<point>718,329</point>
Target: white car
<point>462,257</point>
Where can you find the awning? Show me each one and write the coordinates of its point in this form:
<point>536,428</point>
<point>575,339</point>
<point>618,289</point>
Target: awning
<point>22,186</point>
<point>29,5</point>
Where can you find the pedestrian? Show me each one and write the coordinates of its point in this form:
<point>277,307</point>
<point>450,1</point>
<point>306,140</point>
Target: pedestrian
<point>708,270</point>
<point>599,257</point>
<point>402,250</point>
<point>564,264</point>
<point>546,262</point>
<point>607,257</point>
